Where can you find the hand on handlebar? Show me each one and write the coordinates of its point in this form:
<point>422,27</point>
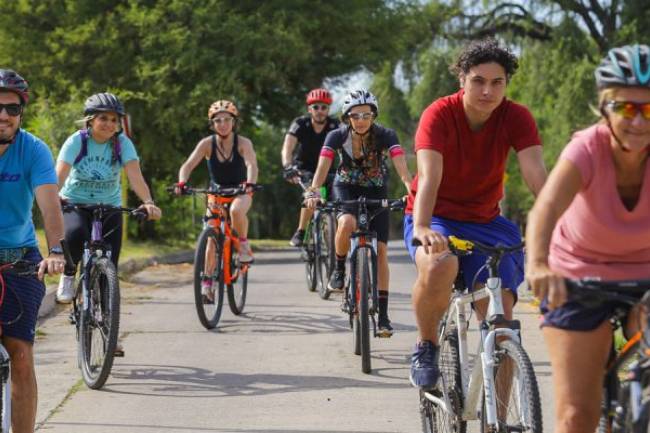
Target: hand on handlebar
<point>432,241</point>
<point>291,174</point>
<point>312,199</point>
<point>151,211</point>
<point>546,284</point>
<point>53,264</point>
<point>181,188</point>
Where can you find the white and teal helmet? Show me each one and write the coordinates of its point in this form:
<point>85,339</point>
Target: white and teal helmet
<point>359,97</point>
<point>627,66</point>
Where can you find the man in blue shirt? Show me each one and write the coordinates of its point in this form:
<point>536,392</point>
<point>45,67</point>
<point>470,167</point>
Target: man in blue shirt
<point>26,172</point>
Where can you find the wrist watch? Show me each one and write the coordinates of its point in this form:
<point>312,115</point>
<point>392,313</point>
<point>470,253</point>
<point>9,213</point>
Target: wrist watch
<point>56,250</point>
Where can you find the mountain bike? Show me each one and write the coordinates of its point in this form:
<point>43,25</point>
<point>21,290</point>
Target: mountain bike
<point>216,259</point>
<point>25,269</point>
<point>96,306</point>
<point>502,379</point>
<point>318,242</point>
<point>626,396</point>
<point>361,299</point>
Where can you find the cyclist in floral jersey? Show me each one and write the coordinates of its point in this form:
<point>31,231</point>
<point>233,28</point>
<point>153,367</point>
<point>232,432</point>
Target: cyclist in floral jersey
<point>363,147</point>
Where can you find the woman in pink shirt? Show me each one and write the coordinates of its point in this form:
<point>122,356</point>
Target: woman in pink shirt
<point>592,219</point>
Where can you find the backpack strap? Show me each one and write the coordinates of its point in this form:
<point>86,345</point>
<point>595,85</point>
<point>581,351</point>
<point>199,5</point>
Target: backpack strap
<point>83,152</point>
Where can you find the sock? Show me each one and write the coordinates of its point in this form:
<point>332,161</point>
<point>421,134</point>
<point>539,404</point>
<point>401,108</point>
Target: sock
<point>383,302</point>
<point>340,262</point>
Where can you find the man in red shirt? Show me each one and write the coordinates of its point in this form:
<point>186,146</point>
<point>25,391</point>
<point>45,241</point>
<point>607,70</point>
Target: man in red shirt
<point>462,144</point>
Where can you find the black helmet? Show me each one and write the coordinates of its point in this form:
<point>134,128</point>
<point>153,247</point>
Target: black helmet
<point>11,81</point>
<point>103,102</point>
<point>627,66</point>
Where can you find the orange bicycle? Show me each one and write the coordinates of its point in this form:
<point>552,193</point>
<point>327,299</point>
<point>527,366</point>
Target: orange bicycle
<point>216,261</point>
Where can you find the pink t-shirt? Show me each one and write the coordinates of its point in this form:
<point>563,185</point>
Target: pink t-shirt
<point>597,236</point>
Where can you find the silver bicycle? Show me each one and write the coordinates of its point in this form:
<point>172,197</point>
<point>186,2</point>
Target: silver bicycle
<point>500,389</point>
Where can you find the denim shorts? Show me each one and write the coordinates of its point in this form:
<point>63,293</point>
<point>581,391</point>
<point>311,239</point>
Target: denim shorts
<point>498,231</point>
<point>573,316</point>
<point>23,297</point>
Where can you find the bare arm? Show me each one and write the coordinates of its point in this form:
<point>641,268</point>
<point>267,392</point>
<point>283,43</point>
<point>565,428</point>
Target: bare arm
<point>533,170</point>
<point>250,159</point>
<point>402,169</point>
<point>141,189</point>
<point>200,153</point>
<point>288,147</point>
<point>62,172</point>
<point>561,188</point>
<point>47,198</point>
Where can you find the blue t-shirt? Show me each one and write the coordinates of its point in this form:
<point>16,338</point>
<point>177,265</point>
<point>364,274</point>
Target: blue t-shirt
<point>96,178</point>
<point>26,164</point>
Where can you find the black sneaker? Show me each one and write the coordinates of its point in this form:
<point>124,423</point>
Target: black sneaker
<point>385,330</point>
<point>296,239</point>
<point>337,280</point>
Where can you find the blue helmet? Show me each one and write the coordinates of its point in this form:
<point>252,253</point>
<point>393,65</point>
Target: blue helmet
<point>627,66</point>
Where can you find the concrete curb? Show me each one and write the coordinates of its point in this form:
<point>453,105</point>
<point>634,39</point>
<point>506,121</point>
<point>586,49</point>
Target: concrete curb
<point>127,268</point>
<point>132,266</point>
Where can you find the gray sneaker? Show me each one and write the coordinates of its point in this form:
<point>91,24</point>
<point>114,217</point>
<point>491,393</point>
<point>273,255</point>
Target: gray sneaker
<point>245,252</point>
<point>66,291</point>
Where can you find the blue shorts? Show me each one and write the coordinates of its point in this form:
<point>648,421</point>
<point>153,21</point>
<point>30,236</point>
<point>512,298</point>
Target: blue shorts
<point>23,297</point>
<point>498,231</point>
<point>573,316</point>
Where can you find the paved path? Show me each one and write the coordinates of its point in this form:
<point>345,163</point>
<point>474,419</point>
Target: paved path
<point>286,365</point>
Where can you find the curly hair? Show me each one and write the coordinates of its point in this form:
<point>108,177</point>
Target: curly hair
<point>485,51</point>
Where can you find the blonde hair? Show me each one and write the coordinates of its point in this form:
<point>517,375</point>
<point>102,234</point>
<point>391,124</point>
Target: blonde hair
<point>604,96</point>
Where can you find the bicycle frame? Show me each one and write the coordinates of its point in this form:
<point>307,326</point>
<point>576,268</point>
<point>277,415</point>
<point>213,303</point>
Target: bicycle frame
<point>5,368</point>
<point>219,220</point>
<point>482,374</point>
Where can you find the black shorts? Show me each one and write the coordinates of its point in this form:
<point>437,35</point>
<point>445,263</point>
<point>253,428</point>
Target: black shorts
<point>573,316</point>
<point>379,223</point>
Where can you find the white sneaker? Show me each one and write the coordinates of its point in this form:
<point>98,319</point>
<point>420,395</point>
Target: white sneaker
<point>66,290</point>
<point>245,253</point>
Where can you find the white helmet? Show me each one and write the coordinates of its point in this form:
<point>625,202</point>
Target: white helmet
<point>359,97</point>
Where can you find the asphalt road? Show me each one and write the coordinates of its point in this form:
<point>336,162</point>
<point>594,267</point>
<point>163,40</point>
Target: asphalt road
<point>286,365</point>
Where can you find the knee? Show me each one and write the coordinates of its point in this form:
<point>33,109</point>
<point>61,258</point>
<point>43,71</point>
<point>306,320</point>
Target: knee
<point>347,224</point>
<point>440,268</point>
<point>576,418</point>
<point>22,370</point>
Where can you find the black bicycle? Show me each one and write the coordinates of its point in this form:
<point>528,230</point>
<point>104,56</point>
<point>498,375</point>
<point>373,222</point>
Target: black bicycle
<point>361,300</point>
<point>318,242</point>
<point>626,396</point>
<point>96,306</point>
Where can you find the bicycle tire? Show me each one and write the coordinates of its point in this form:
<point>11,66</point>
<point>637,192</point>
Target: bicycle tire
<point>209,313</point>
<point>310,258</point>
<point>435,419</point>
<point>325,252</point>
<point>363,281</point>
<point>238,287</point>
<point>101,318</point>
<point>524,388</point>
<point>5,393</point>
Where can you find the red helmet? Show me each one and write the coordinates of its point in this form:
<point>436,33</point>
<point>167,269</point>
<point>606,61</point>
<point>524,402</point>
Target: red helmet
<point>13,82</point>
<point>319,95</point>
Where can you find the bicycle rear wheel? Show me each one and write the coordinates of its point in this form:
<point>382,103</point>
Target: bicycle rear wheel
<point>434,418</point>
<point>208,300</point>
<point>309,252</point>
<point>325,253</point>
<point>238,286</point>
<point>100,321</point>
<point>516,392</point>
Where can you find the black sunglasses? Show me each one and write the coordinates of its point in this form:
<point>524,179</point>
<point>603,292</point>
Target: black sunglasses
<point>12,109</point>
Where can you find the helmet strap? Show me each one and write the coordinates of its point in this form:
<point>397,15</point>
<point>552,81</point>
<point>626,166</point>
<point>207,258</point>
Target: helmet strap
<point>620,144</point>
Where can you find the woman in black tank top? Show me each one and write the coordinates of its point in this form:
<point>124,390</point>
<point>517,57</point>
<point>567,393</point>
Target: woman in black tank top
<point>231,161</point>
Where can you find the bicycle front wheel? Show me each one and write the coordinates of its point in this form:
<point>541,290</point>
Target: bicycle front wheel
<point>361,328</point>
<point>238,286</point>
<point>516,392</point>
<point>436,419</point>
<point>325,253</point>
<point>5,391</point>
<point>309,251</point>
<point>100,321</point>
<point>208,285</point>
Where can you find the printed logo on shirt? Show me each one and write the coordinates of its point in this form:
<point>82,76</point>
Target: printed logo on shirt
<point>9,177</point>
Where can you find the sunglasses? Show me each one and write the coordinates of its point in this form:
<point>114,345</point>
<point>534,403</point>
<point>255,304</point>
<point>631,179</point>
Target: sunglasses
<point>12,109</point>
<point>222,120</point>
<point>359,116</point>
<point>321,107</point>
<point>629,110</point>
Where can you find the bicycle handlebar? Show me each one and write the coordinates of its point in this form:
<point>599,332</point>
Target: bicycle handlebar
<point>384,203</point>
<point>25,268</point>
<point>139,214</point>
<point>221,190</point>
<point>461,247</point>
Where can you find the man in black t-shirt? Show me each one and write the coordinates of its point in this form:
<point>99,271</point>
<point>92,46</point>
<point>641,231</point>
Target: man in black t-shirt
<point>302,145</point>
